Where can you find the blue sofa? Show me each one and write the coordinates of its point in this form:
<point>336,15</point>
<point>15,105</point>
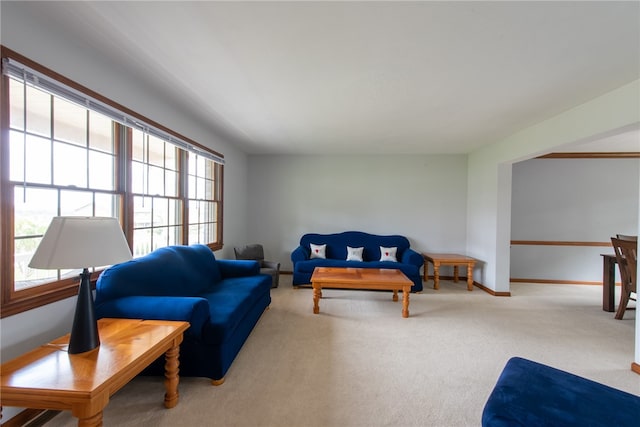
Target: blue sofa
<point>408,260</point>
<point>528,393</point>
<point>221,299</point>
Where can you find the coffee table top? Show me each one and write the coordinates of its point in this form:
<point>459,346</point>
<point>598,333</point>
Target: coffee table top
<point>127,346</point>
<point>370,276</point>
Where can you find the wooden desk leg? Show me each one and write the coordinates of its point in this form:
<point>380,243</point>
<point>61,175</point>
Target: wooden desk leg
<point>436,275</point>
<point>608,284</point>
<point>171,376</point>
<point>425,275</point>
<point>405,301</point>
<point>455,273</point>
<point>92,421</point>
<point>317,292</point>
<point>395,295</point>
<point>470,276</point>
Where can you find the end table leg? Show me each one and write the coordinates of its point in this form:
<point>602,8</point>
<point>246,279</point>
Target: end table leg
<point>436,276</point>
<point>395,295</point>
<point>405,302</point>
<point>317,292</point>
<point>469,277</point>
<point>455,273</point>
<point>171,377</point>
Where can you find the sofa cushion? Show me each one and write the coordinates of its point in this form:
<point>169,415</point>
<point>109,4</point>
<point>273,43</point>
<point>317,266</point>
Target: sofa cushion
<point>388,254</point>
<point>354,254</point>
<point>168,271</point>
<point>229,302</point>
<point>318,251</point>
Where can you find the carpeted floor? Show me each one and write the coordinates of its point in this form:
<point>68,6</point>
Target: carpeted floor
<point>359,363</point>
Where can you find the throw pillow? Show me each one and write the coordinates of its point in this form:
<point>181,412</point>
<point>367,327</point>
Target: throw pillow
<point>388,254</point>
<point>318,251</point>
<point>354,254</point>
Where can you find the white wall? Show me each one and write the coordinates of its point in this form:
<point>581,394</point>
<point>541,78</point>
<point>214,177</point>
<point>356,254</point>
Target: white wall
<point>578,200</point>
<point>421,197</point>
<point>489,175</point>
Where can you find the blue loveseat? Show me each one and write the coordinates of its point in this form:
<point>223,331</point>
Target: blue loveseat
<point>408,260</point>
<point>221,299</point>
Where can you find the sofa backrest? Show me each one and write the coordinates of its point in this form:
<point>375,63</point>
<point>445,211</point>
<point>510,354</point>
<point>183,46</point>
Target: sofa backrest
<point>337,244</point>
<point>168,271</point>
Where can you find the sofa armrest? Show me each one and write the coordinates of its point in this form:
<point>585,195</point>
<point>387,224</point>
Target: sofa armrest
<point>194,310</point>
<point>299,254</point>
<point>271,264</point>
<point>412,257</point>
<point>238,268</point>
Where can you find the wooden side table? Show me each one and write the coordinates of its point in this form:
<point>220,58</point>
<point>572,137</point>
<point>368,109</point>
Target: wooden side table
<point>50,378</point>
<point>448,259</point>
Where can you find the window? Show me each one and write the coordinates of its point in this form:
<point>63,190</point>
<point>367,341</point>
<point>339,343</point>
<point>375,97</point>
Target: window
<point>60,156</point>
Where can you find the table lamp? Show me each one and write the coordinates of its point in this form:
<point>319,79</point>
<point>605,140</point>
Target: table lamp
<point>80,242</point>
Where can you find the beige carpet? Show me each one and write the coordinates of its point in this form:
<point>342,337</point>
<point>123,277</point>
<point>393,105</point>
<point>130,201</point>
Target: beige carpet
<point>359,363</point>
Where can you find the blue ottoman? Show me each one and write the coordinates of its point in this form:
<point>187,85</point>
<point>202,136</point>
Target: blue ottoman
<point>531,394</point>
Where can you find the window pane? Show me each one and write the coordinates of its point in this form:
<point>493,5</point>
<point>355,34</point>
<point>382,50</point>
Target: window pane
<point>34,208</point>
<point>160,212</point>
<point>16,102</point>
<point>24,276</point>
<point>101,171</point>
<point>138,177</point>
<point>192,187</point>
<point>142,212</point>
<point>156,181</point>
<point>70,122</point>
<point>76,203</point>
<point>175,214</point>
<point>160,237</point>
<point>200,194</point>
<point>175,235</point>
<point>107,205</point>
<point>156,151</point>
<point>138,146</point>
<point>70,165</point>
<point>100,132</point>
<point>38,112</point>
<point>39,160</point>
<point>141,242</point>
<point>171,183</point>
<point>16,156</point>
<point>171,157</point>
<point>193,234</point>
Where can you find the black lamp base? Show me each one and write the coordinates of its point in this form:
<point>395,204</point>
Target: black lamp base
<point>84,333</point>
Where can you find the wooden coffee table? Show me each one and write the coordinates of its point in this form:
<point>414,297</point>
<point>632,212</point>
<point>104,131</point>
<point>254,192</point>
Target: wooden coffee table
<point>361,278</point>
<point>448,259</point>
<point>50,378</point>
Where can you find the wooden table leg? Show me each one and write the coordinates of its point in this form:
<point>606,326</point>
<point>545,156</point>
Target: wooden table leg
<point>395,295</point>
<point>92,421</point>
<point>436,275</point>
<point>405,301</point>
<point>171,376</point>
<point>608,283</point>
<point>470,276</point>
<point>455,273</point>
<point>317,292</point>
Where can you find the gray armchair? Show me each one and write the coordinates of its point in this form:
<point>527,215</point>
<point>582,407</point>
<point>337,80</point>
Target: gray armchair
<point>256,252</point>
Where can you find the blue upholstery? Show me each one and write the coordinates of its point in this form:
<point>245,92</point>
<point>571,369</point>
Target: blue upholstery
<point>531,394</point>
<point>221,299</point>
<point>409,261</point>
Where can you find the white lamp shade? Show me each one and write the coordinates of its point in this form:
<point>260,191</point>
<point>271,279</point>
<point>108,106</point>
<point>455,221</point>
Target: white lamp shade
<point>79,242</point>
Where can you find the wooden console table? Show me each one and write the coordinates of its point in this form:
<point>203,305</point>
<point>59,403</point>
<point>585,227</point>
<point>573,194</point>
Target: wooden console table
<point>50,378</point>
<point>448,259</point>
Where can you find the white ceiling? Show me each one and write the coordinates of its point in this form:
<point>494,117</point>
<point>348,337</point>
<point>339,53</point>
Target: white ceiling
<point>373,77</point>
